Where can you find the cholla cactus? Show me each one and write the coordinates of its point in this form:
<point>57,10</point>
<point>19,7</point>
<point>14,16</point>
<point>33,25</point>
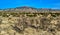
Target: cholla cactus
<point>21,24</point>
<point>58,25</point>
<point>44,23</point>
<point>0,21</point>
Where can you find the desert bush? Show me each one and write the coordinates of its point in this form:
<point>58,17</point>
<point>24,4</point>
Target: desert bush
<point>5,15</point>
<point>14,14</point>
<point>0,13</point>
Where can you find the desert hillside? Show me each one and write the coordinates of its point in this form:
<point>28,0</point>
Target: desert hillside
<point>29,21</point>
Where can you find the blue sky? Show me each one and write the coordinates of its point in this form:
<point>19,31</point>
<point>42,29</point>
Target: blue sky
<point>55,4</point>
